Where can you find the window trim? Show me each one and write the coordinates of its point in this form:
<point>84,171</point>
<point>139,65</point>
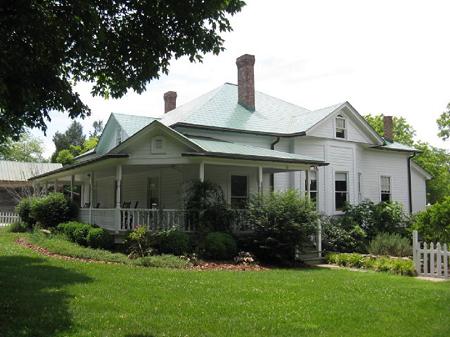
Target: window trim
<point>154,150</point>
<point>342,117</point>
<point>347,192</point>
<point>390,187</point>
<point>316,172</point>
<point>231,189</point>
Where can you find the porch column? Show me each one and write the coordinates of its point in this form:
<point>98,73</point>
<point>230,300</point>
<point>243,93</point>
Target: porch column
<point>91,183</point>
<point>260,179</point>
<point>117,215</point>
<point>202,172</point>
<point>308,183</point>
<point>72,183</point>
<point>319,238</point>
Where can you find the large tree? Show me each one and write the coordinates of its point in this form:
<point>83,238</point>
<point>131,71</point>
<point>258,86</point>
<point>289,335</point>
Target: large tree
<point>435,160</point>
<point>443,123</point>
<point>28,148</point>
<point>72,137</point>
<point>48,46</point>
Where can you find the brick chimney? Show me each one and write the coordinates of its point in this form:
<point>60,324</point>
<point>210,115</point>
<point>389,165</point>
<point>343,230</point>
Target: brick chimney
<point>246,81</point>
<point>170,101</point>
<point>388,128</point>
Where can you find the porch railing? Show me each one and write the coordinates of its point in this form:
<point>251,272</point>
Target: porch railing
<point>125,219</point>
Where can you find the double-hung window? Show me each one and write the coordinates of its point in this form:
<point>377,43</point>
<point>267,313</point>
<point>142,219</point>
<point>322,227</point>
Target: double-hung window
<point>385,188</point>
<point>340,190</point>
<point>340,127</point>
<point>313,190</point>
<point>239,191</point>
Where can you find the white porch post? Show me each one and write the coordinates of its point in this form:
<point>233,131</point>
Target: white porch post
<point>72,183</point>
<point>202,171</point>
<point>319,237</point>
<point>308,183</point>
<point>91,194</point>
<point>117,217</point>
<point>260,179</point>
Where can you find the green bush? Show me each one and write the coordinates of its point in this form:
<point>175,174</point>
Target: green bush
<point>18,227</point>
<point>99,238</point>
<point>219,246</point>
<point>283,222</point>
<point>401,266</point>
<point>139,242</point>
<point>342,236</point>
<point>433,224</point>
<point>23,208</point>
<point>390,244</point>
<point>171,242</point>
<point>53,209</point>
<point>162,261</point>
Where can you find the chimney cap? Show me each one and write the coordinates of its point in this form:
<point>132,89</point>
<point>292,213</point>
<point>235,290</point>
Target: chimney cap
<point>170,94</point>
<point>245,59</point>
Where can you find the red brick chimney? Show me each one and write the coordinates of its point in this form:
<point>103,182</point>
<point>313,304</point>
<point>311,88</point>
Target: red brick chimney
<point>388,128</point>
<point>170,101</point>
<point>246,81</point>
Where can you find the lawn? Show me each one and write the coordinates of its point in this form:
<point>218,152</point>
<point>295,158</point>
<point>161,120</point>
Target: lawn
<point>42,296</point>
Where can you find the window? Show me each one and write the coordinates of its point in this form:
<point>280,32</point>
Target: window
<point>153,192</point>
<point>340,190</point>
<point>158,145</point>
<point>312,185</point>
<point>385,188</point>
<point>340,126</point>
<point>239,191</point>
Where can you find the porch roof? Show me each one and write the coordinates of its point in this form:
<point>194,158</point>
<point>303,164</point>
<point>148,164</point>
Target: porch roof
<point>219,148</point>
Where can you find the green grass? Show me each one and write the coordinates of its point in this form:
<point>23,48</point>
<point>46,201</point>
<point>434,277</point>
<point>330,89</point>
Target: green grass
<point>42,296</point>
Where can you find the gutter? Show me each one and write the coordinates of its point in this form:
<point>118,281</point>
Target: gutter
<point>272,175</point>
<point>410,182</point>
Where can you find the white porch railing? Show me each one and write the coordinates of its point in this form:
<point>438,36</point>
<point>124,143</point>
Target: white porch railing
<point>430,260</point>
<point>8,217</point>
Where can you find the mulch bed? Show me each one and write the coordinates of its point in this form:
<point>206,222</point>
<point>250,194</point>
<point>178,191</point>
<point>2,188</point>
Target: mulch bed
<point>202,266</point>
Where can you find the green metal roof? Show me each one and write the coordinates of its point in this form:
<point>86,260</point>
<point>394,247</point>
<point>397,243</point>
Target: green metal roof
<point>220,109</point>
<point>398,146</point>
<point>132,123</point>
<point>216,147</point>
<point>22,171</point>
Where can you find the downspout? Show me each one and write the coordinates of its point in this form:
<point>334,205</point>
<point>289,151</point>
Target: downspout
<point>272,177</point>
<point>410,182</point>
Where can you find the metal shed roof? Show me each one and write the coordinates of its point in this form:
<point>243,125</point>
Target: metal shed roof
<point>22,171</point>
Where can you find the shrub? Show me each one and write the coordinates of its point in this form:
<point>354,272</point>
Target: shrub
<point>283,222</point>
<point>401,266</point>
<point>53,209</point>
<point>341,236</point>
<point>162,261</point>
<point>434,223</point>
<point>219,246</point>
<point>390,244</point>
<point>139,242</point>
<point>18,227</point>
<point>171,242</point>
<point>23,208</point>
<point>99,238</point>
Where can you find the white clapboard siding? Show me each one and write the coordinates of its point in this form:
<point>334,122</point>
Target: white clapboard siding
<point>429,259</point>
<point>8,217</point>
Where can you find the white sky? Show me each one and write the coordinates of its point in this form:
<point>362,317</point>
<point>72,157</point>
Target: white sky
<point>388,57</point>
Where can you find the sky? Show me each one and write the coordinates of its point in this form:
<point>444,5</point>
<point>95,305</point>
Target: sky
<point>389,57</point>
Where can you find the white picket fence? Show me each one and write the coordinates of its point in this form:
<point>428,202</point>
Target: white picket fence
<point>8,217</point>
<point>431,259</point>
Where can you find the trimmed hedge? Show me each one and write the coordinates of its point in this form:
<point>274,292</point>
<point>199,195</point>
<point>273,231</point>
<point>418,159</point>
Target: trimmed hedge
<point>220,246</point>
<point>400,266</point>
<point>171,242</point>
<point>52,209</point>
<point>86,235</point>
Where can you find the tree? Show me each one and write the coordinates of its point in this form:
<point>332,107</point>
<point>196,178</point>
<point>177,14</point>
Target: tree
<point>28,148</point>
<point>65,157</point>
<point>443,123</point>
<point>89,144</point>
<point>73,136</point>
<point>403,131</point>
<point>98,129</point>
<point>49,46</point>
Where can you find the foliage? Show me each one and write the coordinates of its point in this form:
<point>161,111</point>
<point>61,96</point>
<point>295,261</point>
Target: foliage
<point>89,144</point>
<point>52,209</point>
<point>390,244</point>
<point>401,266</point>
<point>75,231</point>
<point>23,208</point>
<point>342,236</point>
<point>99,238</point>
<point>245,258</point>
<point>206,205</point>
<point>162,261</point>
<point>27,148</point>
<point>283,222</point>
<point>436,161</point>
<point>219,246</point>
<point>433,224</point>
<point>443,123</point>
<point>97,127</point>
<point>116,45</point>
<point>139,243</point>
<point>171,242</point>
<point>18,227</point>
<point>65,157</point>
<point>403,131</point>
<point>72,139</point>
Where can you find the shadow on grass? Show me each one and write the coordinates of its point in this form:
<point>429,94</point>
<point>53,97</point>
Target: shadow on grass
<point>33,301</point>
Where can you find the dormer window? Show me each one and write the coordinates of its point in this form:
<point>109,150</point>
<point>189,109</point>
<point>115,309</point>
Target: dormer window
<point>158,145</point>
<point>340,127</point>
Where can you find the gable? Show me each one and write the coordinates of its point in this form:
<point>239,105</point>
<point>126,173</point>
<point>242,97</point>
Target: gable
<point>357,129</point>
<point>108,138</point>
